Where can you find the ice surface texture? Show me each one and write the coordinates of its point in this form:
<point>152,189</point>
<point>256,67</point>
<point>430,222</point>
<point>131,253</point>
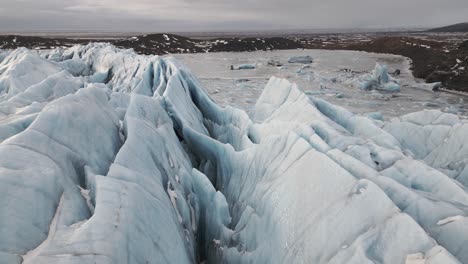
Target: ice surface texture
<point>111,157</point>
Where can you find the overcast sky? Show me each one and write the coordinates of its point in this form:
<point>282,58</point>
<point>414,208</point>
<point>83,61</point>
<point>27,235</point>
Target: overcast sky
<point>212,15</point>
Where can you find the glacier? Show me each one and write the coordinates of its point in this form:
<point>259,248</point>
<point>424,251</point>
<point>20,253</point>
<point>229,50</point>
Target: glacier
<point>112,157</point>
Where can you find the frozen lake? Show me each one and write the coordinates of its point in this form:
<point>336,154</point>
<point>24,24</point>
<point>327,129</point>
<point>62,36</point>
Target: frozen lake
<point>326,78</point>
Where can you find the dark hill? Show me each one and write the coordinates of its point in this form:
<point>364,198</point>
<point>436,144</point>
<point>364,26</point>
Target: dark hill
<point>426,56</point>
<point>429,59</point>
<point>168,43</point>
<point>461,27</point>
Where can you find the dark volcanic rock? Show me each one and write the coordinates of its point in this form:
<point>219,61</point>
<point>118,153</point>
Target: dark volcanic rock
<point>13,42</point>
<point>426,56</point>
<point>159,44</point>
<point>430,60</point>
<point>253,44</point>
<point>438,76</point>
<point>167,43</point>
<point>463,46</point>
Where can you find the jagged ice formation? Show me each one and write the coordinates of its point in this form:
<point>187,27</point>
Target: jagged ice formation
<point>112,157</point>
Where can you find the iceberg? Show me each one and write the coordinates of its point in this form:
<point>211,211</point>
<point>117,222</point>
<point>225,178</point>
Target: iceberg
<point>107,156</point>
<point>244,67</point>
<point>379,80</point>
<point>301,59</point>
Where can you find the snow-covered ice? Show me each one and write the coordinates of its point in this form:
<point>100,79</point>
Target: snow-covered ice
<point>107,156</point>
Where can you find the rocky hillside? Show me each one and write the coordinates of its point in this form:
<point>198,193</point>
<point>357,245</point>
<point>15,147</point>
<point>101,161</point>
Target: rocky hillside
<point>158,43</point>
<point>432,61</point>
<point>460,27</point>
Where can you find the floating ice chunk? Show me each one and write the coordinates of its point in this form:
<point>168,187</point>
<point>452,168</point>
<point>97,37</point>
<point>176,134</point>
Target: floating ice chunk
<point>245,67</point>
<point>431,104</point>
<point>240,81</point>
<point>379,80</point>
<point>390,87</point>
<point>304,70</point>
<point>301,59</point>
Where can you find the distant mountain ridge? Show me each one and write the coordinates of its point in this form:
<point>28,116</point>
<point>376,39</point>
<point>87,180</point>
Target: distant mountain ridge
<point>433,60</point>
<point>158,43</point>
<point>460,27</point>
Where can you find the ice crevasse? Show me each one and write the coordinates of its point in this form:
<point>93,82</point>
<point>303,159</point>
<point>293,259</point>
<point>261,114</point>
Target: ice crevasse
<point>107,156</point>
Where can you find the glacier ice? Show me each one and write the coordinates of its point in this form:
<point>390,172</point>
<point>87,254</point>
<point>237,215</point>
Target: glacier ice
<point>112,157</point>
<point>379,80</point>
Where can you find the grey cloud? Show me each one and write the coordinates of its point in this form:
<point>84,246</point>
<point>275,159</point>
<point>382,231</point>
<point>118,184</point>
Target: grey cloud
<point>186,15</point>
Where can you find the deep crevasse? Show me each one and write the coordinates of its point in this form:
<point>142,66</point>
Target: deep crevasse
<point>132,162</point>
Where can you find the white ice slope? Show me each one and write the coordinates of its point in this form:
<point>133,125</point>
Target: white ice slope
<point>111,157</point>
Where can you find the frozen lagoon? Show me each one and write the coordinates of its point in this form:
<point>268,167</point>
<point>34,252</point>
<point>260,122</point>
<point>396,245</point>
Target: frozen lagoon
<point>242,88</point>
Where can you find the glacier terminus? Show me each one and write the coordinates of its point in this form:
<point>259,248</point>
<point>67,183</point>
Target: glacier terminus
<point>107,156</point>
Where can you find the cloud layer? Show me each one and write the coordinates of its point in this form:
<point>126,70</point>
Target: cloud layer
<point>196,15</point>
